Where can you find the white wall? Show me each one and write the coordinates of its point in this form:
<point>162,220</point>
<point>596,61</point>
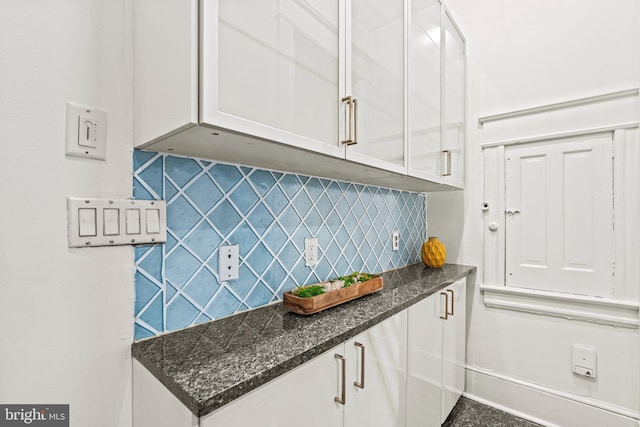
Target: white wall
<point>66,316</point>
<point>524,54</point>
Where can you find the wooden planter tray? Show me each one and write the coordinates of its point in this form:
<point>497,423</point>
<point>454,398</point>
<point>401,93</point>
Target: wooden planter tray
<point>330,299</point>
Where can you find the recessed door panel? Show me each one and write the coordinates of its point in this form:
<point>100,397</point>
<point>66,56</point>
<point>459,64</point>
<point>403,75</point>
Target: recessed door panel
<point>559,216</point>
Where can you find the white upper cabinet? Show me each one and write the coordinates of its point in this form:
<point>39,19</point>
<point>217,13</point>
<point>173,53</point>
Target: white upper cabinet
<point>375,81</point>
<point>272,69</point>
<point>309,86</point>
<point>425,100</point>
<point>437,100</point>
<point>454,103</point>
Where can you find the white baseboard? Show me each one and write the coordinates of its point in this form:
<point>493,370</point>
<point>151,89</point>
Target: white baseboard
<point>542,405</point>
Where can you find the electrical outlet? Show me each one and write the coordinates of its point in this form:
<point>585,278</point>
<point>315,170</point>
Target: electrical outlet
<point>311,251</point>
<point>228,260</point>
<point>395,240</point>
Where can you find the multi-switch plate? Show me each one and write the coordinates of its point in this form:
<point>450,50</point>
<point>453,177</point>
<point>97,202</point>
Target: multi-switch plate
<point>111,222</point>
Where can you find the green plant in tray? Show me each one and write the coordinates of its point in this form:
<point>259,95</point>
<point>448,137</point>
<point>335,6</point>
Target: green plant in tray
<point>308,291</point>
<point>345,281</point>
<point>356,277</point>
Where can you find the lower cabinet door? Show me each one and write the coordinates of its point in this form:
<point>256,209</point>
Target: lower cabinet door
<point>304,396</point>
<point>424,367</point>
<point>376,375</point>
<point>454,348</point>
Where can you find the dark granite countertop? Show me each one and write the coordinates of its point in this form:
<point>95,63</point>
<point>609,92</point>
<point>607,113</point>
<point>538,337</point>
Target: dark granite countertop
<point>210,365</point>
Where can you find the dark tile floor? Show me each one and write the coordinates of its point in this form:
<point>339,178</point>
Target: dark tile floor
<point>469,413</point>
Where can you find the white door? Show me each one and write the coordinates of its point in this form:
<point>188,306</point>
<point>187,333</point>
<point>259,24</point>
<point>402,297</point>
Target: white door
<point>453,142</point>
<point>425,101</point>
<point>273,69</point>
<point>304,396</point>
<point>559,215</point>
<point>375,77</point>
<point>376,380</point>
<point>453,347</point>
<point>424,362</point>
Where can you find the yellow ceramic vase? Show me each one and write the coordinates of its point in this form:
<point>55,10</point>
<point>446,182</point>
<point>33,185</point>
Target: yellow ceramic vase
<point>434,253</point>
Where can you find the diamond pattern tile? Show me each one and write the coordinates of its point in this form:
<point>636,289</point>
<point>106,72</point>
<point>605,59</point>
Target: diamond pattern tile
<point>269,214</point>
<point>180,170</point>
<point>244,197</point>
<point>182,216</point>
<point>225,175</point>
<point>180,265</point>
<point>204,194</point>
<point>224,217</point>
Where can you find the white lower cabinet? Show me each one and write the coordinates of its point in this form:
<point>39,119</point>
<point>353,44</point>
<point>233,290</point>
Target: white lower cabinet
<point>304,396</point>
<point>376,375</point>
<point>373,387</point>
<point>436,355</point>
<point>405,371</point>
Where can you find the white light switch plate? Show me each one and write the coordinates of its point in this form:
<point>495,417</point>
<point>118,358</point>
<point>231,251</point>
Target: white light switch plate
<point>111,222</point>
<point>86,132</point>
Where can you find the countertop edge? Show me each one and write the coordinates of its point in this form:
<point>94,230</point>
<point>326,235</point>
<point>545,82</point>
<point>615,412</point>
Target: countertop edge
<point>182,395</point>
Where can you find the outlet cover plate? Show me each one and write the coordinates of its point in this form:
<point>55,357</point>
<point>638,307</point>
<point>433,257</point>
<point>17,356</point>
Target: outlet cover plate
<point>311,251</point>
<point>395,240</point>
<point>228,263</point>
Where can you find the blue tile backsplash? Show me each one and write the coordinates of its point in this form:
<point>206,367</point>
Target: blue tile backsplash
<point>269,214</point>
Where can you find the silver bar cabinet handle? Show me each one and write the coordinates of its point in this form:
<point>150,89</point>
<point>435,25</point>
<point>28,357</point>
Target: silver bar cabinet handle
<point>355,121</point>
<point>349,101</point>
<point>447,154</point>
<point>362,357</point>
<point>342,399</point>
<point>446,306</point>
<point>452,301</point>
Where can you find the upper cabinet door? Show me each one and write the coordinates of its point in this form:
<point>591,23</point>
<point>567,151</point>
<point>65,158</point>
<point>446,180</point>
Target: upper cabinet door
<point>425,100</point>
<point>272,69</point>
<point>376,80</point>
<point>454,87</point>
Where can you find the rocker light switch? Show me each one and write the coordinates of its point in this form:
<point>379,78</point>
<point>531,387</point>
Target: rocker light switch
<point>133,221</point>
<point>87,222</point>
<point>153,221</point>
<point>111,222</point>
